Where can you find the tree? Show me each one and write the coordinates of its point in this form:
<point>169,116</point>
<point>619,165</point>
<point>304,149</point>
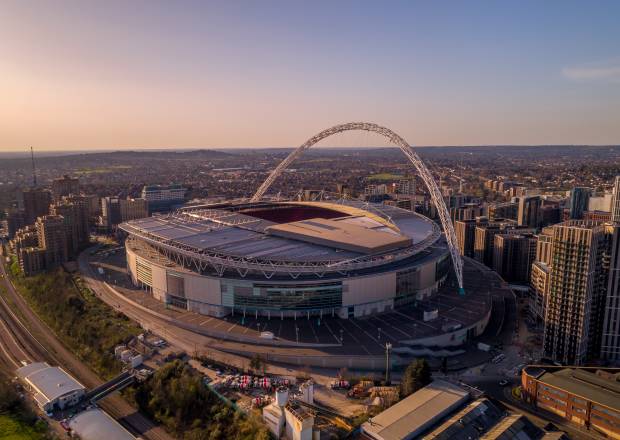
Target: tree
<point>256,363</point>
<point>417,375</point>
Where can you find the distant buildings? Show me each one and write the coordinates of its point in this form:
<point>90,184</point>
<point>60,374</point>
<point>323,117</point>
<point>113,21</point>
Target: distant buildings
<point>15,220</point>
<point>65,186</point>
<point>578,202</point>
<point>580,263</point>
<point>115,210</point>
<point>507,210</point>
<point>34,202</point>
<point>513,255</point>
<point>530,211</point>
<point>465,235</point>
<point>163,197</point>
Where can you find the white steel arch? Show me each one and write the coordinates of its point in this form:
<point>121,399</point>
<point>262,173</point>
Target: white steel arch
<point>422,170</point>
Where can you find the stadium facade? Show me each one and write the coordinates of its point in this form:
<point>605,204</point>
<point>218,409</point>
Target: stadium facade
<point>342,258</point>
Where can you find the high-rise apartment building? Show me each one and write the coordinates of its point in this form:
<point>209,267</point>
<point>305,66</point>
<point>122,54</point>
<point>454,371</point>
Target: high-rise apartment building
<point>610,342</point>
<point>65,186</point>
<point>506,210</point>
<point>530,213</point>
<point>15,220</point>
<point>35,202</point>
<point>615,201</point>
<point>466,234</point>
<point>576,298</point>
<point>578,202</point>
<point>75,212</point>
<point>513,255</point>
<point>52,236</point>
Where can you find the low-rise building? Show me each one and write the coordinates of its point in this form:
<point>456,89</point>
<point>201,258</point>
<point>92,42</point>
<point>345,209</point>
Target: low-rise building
<point>584,396</point>
<point>415,414</point>
<point>52,387</point>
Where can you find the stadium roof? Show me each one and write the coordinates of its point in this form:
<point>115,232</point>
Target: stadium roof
<point>342,234</point>
<point>226,231</point>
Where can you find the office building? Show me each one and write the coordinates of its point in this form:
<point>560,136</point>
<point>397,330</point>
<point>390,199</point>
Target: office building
<point>65,186</point>
<point>35,202</point>
<point>530,213</point>
<point>615,201</point>
<point>513,255</point>
<point>600,202</point>
<point>163,197</point>
<point>115,210</point>
<point>578,202</point>
<point>132,209</point>
<point>110,211</point>
<point>586,397</point>
<point>575,305</point>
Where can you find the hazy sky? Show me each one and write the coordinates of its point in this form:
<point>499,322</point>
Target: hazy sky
<point>113,74</point>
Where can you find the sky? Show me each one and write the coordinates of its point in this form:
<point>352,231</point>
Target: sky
<point>129,74</point>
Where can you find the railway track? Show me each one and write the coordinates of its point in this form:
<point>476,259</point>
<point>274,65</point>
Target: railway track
<point>36,342</point>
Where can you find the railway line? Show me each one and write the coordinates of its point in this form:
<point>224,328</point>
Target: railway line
<point>36,342</point>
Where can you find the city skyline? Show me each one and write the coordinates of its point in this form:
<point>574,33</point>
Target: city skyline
<point>206,75</point>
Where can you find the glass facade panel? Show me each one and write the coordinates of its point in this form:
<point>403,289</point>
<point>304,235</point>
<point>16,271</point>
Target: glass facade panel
<point>263,296</point>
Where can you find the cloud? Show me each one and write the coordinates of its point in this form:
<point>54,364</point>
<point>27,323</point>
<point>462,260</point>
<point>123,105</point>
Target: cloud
<point>607,72</point>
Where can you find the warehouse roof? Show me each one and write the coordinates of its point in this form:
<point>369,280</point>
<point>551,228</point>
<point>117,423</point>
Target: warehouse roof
<point>585,384</point>
<point>50,383</point>
<point>95,424</point>
<point>412,415</point>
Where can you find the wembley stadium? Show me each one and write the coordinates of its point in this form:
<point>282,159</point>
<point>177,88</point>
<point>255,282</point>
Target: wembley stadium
<point>341,258</point>
<point>341,276</point>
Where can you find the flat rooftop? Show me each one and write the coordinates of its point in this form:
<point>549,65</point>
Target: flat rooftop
<point>342,235</point>
<point>50,383</point>
<point>412,415</point>
<point>230,231</point>
<point>584,384</point>
<point>94,424</point>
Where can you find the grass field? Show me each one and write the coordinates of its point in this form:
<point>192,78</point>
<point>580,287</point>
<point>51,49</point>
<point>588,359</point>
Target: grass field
<point>385,176</point>
<point>11,428</point>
